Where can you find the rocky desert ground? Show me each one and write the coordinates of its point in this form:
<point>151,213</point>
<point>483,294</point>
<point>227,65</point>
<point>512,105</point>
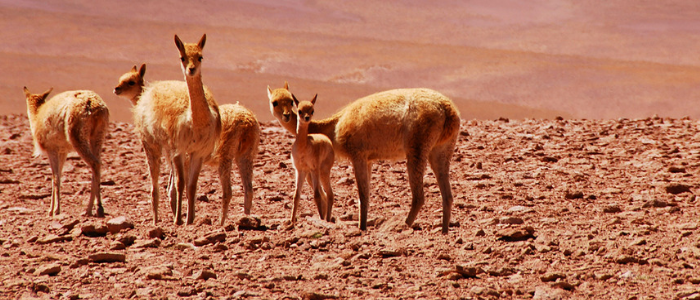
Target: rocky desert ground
<point>544,209</point>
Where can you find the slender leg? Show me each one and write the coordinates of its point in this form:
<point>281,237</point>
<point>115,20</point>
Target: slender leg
<point>440,163</point>
<point>416,168</point>
<point>178,164</point>
<point>326,182</point>
<point>56,161</point>
<point>362,175</point>
<point>245,169</point>
<point>192,177</point>
<point>153,156</point>
<point>318,194</point>
<point>172,192</point>
<point>225,179</point>
<point>300,176</point>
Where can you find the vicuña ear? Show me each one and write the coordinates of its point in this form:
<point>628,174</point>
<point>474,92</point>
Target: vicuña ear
<point>26,92</point>
<point>313,101</point>
<point>142,71</point>
<point>296,102</point>
<point>269,93</point>
<point>134,69</point>
<point>201,41</point>
<point>179,44</point>
<point>286,85</point>
<point>46,94</point>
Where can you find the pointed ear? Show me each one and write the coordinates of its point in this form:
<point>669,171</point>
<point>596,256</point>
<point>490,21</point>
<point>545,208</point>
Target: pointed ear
<point>46,94</point>
<point>269,93</point>
<point>286,85</point>
<point>26,92</point>
<point>134,69</point>
<point>313,101</point>
<point>142,71</point>
<point>296,102</point>
<point>201,41</point>
<point>179,44</point>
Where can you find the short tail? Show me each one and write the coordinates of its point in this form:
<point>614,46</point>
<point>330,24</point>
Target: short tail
<point>452,122</point>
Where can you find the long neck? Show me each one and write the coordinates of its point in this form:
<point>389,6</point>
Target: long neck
<point>302,131</point>
<point>198,103</point>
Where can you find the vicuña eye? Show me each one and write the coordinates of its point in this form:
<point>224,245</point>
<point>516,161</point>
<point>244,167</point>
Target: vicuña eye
<point>132,82</point>
<point>274,104</point>
<point>182,59</point>
<point>200,58</point>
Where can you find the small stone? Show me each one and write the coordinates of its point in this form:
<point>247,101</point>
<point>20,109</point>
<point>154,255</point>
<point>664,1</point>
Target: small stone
<point>573,195</point>
<point>116,245</point>
<point>52,238</point>
<point>50,269</point>
<point>468,272</point>
<point>107,257</point>
<point>317,296</point>
<point>156,233</point>
<point>127,240</point>
<point>152,243</point>
<point>203,275</point>
<point>94,230</point>
<point>655,203</point>
<point>510,221</point>
<point>611,209</point>
<point>549,277</point>
<point>210,238</point>
<point>392,252</point>
<point>118,224</point>
<point>639,242</point>
<point>677,188</point>
<point>516,234</point>
<point>625,259</point>
<point>250,223</point>
<point>184,246</point>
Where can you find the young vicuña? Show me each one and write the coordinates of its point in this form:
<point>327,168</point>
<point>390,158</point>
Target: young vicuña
<point>312,154</point>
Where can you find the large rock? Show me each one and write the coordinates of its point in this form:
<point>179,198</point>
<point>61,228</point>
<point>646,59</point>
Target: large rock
<point>107,257</point>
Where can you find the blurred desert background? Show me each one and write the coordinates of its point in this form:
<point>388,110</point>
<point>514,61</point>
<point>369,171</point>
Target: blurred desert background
<point>494,58</point>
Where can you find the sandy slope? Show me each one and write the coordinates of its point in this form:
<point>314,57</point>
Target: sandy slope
<point>495,58</point>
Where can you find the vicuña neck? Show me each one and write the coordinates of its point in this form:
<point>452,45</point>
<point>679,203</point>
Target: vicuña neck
<point>198,103</point>
<point>302,133</point>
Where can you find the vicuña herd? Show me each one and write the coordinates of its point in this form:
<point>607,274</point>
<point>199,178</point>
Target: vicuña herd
<point>181,120</point>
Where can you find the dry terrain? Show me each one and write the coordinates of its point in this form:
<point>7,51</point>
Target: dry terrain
<point>544,209</point>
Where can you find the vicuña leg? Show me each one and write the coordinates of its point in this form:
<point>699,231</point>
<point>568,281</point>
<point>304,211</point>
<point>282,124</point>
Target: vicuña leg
<point>415,164</point>
<point>245,170</point>
<point>318,195</point>
<point>153,155</point>
<point>362,170</point>
<point>297,194</point>
<point>180,178</point>
<point>440,163</point>
<point>88,155</point>
<point>326,184</point>
<point>192,177</point>
<point>225,179</point>
<point>56,161</point>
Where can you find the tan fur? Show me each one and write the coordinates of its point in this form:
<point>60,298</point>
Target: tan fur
<point>238,141</point>
<point>73,120</point>
<point>312,154</point>
<point>186,129</point>
<point>420,125</point>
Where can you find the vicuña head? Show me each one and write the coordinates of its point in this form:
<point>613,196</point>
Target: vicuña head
<point>305,109</point>
<point>281,103</point>
<point>131,84</point>
<point>191,56</point>
<point>73,120</point>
